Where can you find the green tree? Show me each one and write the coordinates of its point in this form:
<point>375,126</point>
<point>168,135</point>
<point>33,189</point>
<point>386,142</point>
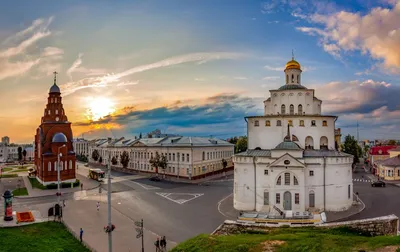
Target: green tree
<point>24,154</point>
<point>159,161</point>
<point>114,161</point>
<point>224,163</point>
<point>20,153</point>
<point>351,146</point>
<point>392,142</point>
<point>95,155</point>
<point>241,144</point>
<point>233,140</point>
<point>125,159</point>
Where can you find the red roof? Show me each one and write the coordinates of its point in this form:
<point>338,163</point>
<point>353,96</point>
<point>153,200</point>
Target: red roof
<point>381,150</point>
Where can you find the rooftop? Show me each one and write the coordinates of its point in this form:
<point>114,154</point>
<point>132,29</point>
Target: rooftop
<point>291,87</point>
<point>306,153</point>
<point>394,161</point>
<point>287,145</point>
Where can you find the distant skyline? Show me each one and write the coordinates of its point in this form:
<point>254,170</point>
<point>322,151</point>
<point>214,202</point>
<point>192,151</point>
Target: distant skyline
<point>196,67</point>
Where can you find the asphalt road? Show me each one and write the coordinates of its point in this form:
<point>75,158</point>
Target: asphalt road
<point>379,201</point>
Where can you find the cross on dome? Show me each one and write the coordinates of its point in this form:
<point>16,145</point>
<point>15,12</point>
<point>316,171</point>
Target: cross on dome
<point>55,77</point>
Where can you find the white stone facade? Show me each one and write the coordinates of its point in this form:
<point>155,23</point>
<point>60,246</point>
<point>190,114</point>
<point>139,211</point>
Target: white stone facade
<point>81,147</point>
<point>291,161</point>
<point>187,156</point>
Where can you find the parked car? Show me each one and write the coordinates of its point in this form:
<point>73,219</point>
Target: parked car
<point>155,178</point>
<point>377,183</point>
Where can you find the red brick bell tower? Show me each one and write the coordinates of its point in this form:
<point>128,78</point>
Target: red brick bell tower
<point>53,137</point>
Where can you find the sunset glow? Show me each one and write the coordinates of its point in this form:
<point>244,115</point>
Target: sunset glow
<point>99,107</point>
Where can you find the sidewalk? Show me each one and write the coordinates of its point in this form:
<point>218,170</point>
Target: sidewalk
<point>355,208</point>
<point>88,184</point>
<point>83,214</point>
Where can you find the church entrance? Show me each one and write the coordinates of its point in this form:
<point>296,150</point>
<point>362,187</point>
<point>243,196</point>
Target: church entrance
<point>287,201</point>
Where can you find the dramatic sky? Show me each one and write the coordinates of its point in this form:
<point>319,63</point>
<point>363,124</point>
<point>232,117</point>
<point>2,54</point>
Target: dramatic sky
<point>196,67</point>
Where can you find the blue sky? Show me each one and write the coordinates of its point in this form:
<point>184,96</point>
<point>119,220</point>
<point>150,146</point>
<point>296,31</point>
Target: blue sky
<point>196,67</point>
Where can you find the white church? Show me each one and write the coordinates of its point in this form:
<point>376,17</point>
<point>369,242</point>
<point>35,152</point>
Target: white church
<point>291,162</point>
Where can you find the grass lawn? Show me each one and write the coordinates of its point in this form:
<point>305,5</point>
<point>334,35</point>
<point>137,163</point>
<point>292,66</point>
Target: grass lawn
<point>289,240</point>
<point>36,184</point>
<point>40,237</point>
<point>9,175</point>
<point>20,192</point>
<point>21,170</point>
<point>6,169</point>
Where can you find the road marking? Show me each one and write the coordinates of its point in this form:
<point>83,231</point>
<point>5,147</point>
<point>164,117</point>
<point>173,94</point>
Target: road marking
<point>363,180</point>
<point>220,202</point>
<point>180,201</point>
<point>146,186</point>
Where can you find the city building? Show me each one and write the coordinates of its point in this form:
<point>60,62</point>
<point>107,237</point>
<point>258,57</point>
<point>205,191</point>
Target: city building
<point>188,157</point>
<point>291,162</point>
<point>338,139</point>
<point>81,147</point>
<point>5,140</point>
<point>54,137</point>
<point>378,153</point>
<point>9,151</point>
<point>389,169</point>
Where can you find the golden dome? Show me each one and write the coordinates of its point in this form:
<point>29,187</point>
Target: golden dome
<point>292,65</point>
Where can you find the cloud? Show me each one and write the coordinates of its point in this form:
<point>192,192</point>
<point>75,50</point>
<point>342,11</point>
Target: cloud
<point>240,78</point>
<point>376,33</point>
<point>14,59</point>
<point>52,51</point>
<point>274,68</point>
<point>271,78</point>
<point>74,65</point>
<point>112,79</point>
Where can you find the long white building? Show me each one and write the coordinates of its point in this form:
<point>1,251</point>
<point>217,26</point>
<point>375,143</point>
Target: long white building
<point>188,157</point>
<point>291,161</point>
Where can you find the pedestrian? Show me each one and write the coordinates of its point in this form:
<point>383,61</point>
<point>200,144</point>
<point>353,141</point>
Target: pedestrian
<point>64,203</point>
<point>81,234</point>
<point>81,186</point>
<point>98,206</point>
<point>164,243</point>
<point>157,244</point>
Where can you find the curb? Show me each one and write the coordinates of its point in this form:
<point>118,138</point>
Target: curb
<point>362,209</point>
<point>41,196</point>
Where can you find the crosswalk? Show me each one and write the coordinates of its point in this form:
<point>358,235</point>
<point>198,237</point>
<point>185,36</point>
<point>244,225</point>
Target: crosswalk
<point>363,180</point>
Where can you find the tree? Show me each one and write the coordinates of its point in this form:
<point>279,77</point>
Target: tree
<point>233,140</point>
<point>159,161</point>
<point>20,153</point>
<point>24,154</point>
<point>224,163</point>
<point>124,159</point>
<point>114,160</point>
<point>351,146</point>
<point>392,142</point>
<point>100,160</point>
<point>140,135</point>
<point>95,155</point>
<point>241,144</point>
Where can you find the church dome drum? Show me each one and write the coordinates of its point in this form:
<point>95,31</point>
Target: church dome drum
<point>59,138</point>
<point>54,89</point>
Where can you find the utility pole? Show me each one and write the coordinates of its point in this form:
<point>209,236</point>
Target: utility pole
<point>109,202</point>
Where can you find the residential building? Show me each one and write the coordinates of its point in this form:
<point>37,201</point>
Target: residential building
<point>54,137</point>
<point>5,140</point>
<point>81,147</point>
<point>389,169</point>
<point>188,157</point>
<point>291,162</point>
<point>377,153</point>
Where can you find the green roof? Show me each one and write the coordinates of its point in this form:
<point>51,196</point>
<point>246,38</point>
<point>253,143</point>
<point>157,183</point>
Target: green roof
<point>292,86</point>
<point>287,146</point>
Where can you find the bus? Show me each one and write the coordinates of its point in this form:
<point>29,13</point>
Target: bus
<point>96,174</point>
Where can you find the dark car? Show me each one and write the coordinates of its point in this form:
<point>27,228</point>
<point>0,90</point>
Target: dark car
<point>378,183</point>
<point>155,178</point>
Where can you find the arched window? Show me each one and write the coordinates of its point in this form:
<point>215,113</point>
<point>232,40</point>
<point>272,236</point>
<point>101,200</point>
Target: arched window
<point>283,109</point>
<point>287,178</point>
<point>204,155</point>
<point>70,164</point>
<point>267,123</point>
<point>278,123</point>
<point>323,142</point>
<point>292,78</point>
<point>311,198</point>
<point>309,143</point>
<point>61,165</point>
<point>256,123</point>
<point>324,123</point>
<point>55,166</point>
<point>291,109</point>
<point>278,182</point>
<point>65,165</point>
<point>257,148</point>
<point>300,109</point>
<point>313,123</point>
<point>349,191</point>
<point>49,166</point>
<point>295,181</point>
<point>302,123</point>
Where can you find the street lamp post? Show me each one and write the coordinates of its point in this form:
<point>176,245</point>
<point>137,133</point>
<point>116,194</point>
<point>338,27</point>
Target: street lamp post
<point>58,174</point>
<point>109,202</point>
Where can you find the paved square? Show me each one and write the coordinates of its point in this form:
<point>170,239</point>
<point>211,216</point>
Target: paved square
<point>180,198</point>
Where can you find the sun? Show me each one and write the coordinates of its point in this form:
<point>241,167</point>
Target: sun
<point>99,107</point>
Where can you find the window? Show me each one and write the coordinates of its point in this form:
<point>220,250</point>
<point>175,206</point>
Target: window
<point>278,182</point>
<point>56,111</point>
<point>298,78</point>
<point>49,166</point>
<point>187,157</point>
<point>290,122</point>
<point>267,123</point>
<point>265,172</point>
<point>324,123</point>
<point>208,155</point>
<point>292,78</point>
<point>70,164</point>
<point>296,198</point>
<point>313,123</point>
<point>311,196</point>
<point>295,181</point>
<point>300,109</point>
<point>349,191</point>
<point>61,165</point>
<point>291,108</point>
<point>173,157</point>
<point>278,123</point>
<point>256,123</point>
<point>204,155</point>
<point>398,172</point>
<point>266,198</point>
<point>278,198</point>
<point>48,112</point>
<point>55,166</point>
<point>301,123</point>
<point>311,173</point>
<point>169,156</point>
<point>287,178</point>
<point>283,109</point>
<point>183,157</point>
